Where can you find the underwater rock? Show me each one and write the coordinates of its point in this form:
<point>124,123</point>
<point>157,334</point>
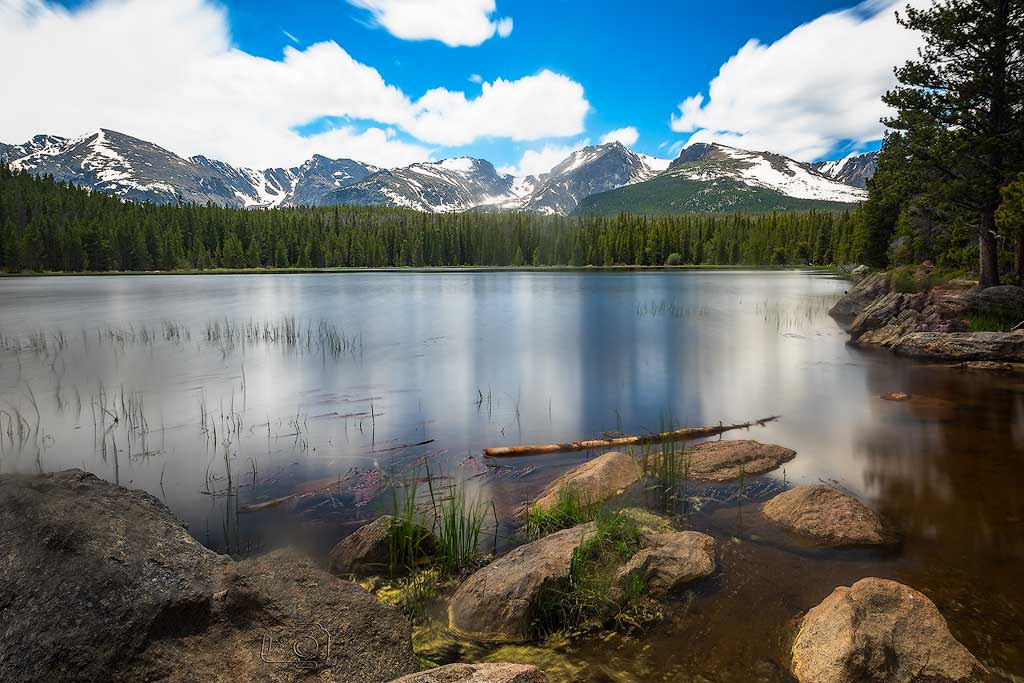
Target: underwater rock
<point>829,516</point>
<point>722,460</point>
<point>883,631</point>
<point>477,673</point>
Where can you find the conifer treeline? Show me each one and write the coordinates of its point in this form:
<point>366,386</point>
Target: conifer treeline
<point>49,226</point>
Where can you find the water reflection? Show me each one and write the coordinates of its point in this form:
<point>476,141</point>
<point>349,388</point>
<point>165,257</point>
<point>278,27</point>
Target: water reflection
<point>469,360</point>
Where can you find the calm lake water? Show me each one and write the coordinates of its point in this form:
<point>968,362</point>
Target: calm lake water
<point>218,392</point>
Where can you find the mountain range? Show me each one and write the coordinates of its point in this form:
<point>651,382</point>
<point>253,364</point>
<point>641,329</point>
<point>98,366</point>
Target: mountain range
<point>599,179</point>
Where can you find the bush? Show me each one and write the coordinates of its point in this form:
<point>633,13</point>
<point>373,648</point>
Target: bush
<point>674,259</point>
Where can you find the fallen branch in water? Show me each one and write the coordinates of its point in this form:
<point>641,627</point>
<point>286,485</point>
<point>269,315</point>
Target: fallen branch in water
<point>674,435</point>
<point>404,445</point>
<point>256,507</point>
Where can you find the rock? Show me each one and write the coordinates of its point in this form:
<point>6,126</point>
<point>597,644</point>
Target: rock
<point>594,481</point>
<point>827,515</point>
<point>862,294</point>
<point>498,603</point>
<point>880,630</point>
<point>889,317</point>
<point>1006,301</point>
<point>674,560</point>
<point>721,460</point>
<point>98,582</point>
<point>963,346</point>
<point>896,396</point>
<point>647,523</point>
<point>988,366</point>
<point>367,550</point>
<point>477,673</point>
<point>860,270</point>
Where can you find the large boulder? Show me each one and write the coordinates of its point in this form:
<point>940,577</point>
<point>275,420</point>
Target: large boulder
<point>369,549</point>
<point>1006,301</point>
<point>963,346</point>
<point>880,631</point>
<point>498,603</point>
<point>594,481</point>
<point>723,460</point>
<point>828,516</point>
<point>672,561</point>
<point>98,582</point>
<point>478,673</point>
<point>862,294</point>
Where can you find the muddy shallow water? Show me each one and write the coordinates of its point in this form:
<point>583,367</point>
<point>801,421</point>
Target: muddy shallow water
<point>215,393</point>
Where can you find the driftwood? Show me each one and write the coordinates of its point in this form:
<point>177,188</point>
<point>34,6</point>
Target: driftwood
<point>256,507</point>
<point>674,435</point>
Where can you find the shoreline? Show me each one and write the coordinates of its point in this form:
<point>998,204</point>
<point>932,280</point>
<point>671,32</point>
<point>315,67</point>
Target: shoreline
<point>421,269</point>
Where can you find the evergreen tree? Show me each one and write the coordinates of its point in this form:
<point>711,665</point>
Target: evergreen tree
<point>959,107</point>
<point>1010,220</point>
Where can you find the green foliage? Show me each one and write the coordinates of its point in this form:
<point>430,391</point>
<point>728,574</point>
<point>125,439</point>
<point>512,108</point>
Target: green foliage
<point>48,226</point>
<point>957,113</point>
<point>588,600</point>
<point>407,537</point>
<point>674,259</point>
<point>458,525</point>
<point>568,511</point>
<point>988,322</point>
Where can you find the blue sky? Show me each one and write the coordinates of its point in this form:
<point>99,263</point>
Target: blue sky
<point>802,77</point>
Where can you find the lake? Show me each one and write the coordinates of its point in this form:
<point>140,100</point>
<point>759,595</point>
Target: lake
<point>214,393</point>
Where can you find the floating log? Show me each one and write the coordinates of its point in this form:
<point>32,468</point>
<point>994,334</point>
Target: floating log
<point>674,435</point>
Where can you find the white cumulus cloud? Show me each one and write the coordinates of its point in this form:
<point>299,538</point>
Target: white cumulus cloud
<point>819,84</point>
<point>168,72</point>
<point>452,22</point>
<point>533,107</point>
<point>627,136</point>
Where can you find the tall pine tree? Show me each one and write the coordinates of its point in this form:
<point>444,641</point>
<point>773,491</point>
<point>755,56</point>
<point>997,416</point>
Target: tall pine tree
<point>960,106</point>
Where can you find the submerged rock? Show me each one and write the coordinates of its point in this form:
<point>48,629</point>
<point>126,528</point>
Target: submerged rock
<point>101,583</point>
<point>368,549</point>
<point>829,516</point>
<point>478,673</point>
<point>499,602</point>
<point>963,346</point>
<point>881,631</point>
<point>672,561</point>
<point>722,460</point>
<point>594,481</point>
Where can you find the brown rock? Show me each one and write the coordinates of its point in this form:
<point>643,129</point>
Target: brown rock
<point>1006,301</point>
<point>896,396</point>
<point>963,346</point>
<point>477,673</point>
<point>98,582</point>
<point>881,631</point>
<point>827,515</point>
<point>367,550</point>
<point>721,460</point>
<point>594,481</point>
<point>674,560</point>
<point>498,603</point>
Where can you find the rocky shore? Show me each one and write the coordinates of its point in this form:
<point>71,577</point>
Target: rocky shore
<point>101,582</point>
<point>934,322</point>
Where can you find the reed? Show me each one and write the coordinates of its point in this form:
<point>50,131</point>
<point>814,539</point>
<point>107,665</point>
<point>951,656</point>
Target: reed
<point>458,525</point>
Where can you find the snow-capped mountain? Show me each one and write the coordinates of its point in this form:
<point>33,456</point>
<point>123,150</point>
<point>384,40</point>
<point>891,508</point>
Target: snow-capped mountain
<point>598,179</point>
<point>715,177</point>
<point>854,169</point>
<point>127,167</point>
<point>587,171</point>
<point>457,184</point>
